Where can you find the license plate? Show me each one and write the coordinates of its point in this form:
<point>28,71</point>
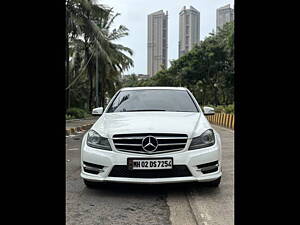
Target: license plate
<point>149,164</point>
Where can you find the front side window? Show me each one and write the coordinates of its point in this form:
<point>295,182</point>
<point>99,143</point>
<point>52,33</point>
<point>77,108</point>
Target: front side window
<point>153,100</point>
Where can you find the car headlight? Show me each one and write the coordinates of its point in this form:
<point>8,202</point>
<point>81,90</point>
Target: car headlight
<point>206,139</point>
<point>95,140</point>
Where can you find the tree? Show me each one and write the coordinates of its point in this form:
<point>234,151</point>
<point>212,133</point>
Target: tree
<point>89,29</point>
<point>207,70</point>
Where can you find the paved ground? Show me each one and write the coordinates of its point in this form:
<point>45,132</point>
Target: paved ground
<point>190,203</point>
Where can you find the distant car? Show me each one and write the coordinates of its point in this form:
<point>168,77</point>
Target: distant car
<point>151,135</point>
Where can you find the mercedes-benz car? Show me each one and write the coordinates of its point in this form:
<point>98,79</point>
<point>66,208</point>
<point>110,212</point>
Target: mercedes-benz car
<point>151,135</point>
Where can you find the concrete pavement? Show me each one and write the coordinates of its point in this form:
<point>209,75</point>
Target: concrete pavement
<point>198,204</point>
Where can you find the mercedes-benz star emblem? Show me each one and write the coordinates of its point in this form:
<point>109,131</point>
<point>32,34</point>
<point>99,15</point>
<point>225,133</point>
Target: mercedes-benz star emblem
<point>149,144</point>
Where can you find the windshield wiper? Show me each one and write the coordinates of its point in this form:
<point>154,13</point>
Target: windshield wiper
<point>141,110</point>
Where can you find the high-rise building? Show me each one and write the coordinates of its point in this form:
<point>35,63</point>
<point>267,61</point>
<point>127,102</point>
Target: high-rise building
<point>157,41</point>
<point>225,14</point>
<point>189,29</point>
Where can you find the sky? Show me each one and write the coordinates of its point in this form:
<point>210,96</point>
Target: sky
<point>134,17</point>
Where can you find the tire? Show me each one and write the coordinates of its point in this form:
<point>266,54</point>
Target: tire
<point>214,183</point>
<point>90,184</point>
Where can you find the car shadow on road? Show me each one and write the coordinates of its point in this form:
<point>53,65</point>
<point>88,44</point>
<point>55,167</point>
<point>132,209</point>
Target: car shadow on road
<point>151,189</point>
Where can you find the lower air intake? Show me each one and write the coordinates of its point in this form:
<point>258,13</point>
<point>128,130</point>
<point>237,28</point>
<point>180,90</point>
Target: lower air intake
<point>176,171</point>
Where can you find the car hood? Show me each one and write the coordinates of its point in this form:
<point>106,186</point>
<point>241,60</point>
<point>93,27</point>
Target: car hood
<point>189,123</point>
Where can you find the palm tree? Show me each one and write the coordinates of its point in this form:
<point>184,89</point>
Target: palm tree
<point>89,26</point>
<point>78,24</point>
<point>110,70</point>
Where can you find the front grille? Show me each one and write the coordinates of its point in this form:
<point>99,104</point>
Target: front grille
<point>176,171</point>
<point>166,142</point>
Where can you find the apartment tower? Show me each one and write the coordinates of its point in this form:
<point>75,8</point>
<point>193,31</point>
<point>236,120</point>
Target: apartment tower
<point>189,29</point>
<point>225,14</point>
<point>157,42</point>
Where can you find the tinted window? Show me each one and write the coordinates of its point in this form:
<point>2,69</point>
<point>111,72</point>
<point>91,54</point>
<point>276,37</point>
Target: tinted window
<point>153,100</point>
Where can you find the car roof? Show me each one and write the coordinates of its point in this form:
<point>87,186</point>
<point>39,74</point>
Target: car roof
<point>153,88</point>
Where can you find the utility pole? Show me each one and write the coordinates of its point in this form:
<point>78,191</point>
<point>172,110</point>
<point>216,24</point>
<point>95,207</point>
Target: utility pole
<point>97,80</point>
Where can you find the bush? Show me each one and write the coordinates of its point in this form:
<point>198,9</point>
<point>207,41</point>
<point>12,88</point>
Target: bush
<point>229,109</point>
<point>219,109</point>
<point>75,113</point>
<point>69,117</point>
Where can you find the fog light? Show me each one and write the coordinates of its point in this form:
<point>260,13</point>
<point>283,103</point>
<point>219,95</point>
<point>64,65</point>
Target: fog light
<point>208,167</point>
<point>92,168</point>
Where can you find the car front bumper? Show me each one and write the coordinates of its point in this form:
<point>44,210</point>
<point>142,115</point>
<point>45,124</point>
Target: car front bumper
<point>191,159</point>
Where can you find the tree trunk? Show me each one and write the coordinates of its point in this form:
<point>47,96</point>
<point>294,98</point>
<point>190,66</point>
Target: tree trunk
<point>102,91</point>
<point>97,81</point>
<point>203,98</point>
<point>101,85</point>
<point>67,65</point>
<point>216,96</point>
<point>90,76</point>
<point>225,98</point>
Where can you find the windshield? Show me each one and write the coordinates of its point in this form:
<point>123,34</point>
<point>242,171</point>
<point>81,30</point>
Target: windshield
<point>153,100</point>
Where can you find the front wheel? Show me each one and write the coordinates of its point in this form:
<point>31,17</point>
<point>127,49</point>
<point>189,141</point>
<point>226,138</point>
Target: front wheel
<point>214,183</point>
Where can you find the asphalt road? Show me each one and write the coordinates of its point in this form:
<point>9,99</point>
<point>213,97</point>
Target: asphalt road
<point>189,203</point>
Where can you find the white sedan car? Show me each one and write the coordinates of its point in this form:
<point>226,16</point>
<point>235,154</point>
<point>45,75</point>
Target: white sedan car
<point>152,135</point>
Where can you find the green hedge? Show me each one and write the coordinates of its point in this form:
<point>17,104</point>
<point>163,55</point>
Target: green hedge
<point>229,109</point>
<point>76,113</point>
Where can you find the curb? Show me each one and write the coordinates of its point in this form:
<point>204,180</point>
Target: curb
<point>222,120</point>
<point>87,118</point>
<point>74,130</point>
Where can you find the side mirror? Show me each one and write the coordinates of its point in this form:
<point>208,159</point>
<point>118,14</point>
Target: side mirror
<point>208,111</point>
<point>97,111</point>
